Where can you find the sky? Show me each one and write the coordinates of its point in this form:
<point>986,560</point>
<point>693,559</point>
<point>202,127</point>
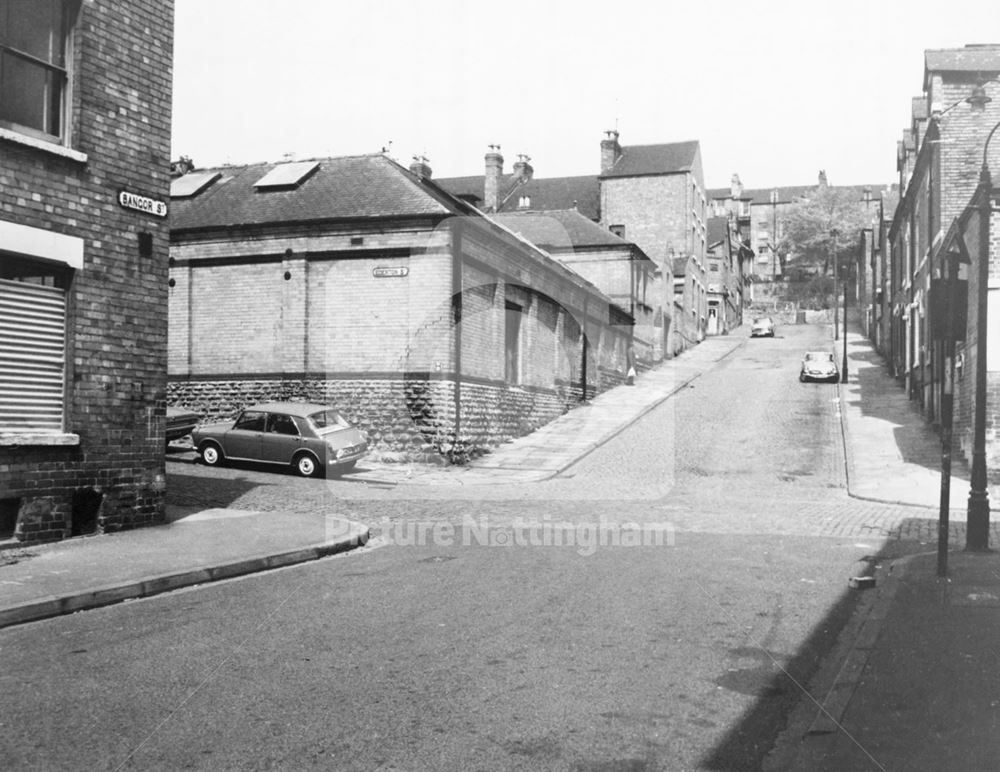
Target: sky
<point>774,91</point>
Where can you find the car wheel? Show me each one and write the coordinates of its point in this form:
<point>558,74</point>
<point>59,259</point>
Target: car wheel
<point>802,377</point>
<point>211,454</point>
<point>305,465</point>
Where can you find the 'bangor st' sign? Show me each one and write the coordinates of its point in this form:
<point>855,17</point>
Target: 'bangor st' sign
<point>142,204</point>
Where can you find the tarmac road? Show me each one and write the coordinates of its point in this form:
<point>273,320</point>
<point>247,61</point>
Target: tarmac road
<point>471,651</point>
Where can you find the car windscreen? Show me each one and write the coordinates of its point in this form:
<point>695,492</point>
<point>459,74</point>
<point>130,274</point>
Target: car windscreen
<point>328,419</point>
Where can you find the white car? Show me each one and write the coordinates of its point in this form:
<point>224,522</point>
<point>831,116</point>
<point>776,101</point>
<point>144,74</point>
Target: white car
<point>763,326</point>
<point>818,366</point>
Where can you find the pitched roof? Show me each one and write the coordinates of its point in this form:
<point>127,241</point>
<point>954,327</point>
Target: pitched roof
<point>717,228</point>
<point>349,187</point>
<point>559,229</point>
<point>582,192</point>
<point>641,160</point>
<point>972,58</point>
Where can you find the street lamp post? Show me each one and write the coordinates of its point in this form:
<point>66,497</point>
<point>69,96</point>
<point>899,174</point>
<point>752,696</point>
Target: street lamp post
<point>843,368</point>
<point>978,515</point>
<point>947,411</point>
<point>836,283</point>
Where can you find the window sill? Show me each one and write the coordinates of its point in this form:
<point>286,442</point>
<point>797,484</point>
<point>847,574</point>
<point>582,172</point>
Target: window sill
<point>41,144</point>
<point>38,439</point>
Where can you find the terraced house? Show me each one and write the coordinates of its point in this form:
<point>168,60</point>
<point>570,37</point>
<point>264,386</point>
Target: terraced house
<point>357,282</point>
<point>85,94</point>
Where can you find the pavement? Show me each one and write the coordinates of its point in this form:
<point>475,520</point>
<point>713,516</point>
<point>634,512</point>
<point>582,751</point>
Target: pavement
<point>910,683</point>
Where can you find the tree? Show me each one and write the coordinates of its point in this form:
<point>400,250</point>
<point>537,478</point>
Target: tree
<point>826,224</point>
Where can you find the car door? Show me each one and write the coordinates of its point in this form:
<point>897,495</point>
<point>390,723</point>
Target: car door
<point>280,439</point>
<point>244,439</point>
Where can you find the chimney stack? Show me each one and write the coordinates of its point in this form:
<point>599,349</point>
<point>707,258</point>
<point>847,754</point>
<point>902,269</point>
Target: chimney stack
<point>735,186</point>
<point>611,151</point>
<point>522,168</point>
<point>491,185</point>
<point>421,167</point>
<point>822,178</point>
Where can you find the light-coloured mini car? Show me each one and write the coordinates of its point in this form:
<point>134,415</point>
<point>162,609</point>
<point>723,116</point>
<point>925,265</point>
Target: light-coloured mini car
<point>762,327</point>
<point>180,423</point>
<point>818,366</point>
<point>310,438</point>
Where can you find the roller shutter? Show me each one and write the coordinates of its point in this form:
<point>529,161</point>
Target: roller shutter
<point>32,357</point>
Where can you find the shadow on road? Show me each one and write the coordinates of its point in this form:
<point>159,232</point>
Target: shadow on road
<point>749,742</point>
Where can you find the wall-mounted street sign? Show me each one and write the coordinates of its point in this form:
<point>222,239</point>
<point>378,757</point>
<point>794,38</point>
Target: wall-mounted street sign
<point>383,272</point>
<point>144,204</point>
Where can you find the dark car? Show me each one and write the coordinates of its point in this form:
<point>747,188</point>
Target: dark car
<point>180,423</point>
<point>818,366</point>
<point>310,438</point>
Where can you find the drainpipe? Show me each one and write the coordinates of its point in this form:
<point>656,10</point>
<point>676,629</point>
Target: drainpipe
<point>456,308</point>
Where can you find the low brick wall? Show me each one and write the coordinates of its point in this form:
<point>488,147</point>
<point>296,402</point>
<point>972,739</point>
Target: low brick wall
<point>406,419</point>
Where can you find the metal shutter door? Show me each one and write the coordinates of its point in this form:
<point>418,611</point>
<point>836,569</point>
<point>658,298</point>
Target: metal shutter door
<point>32,356</point>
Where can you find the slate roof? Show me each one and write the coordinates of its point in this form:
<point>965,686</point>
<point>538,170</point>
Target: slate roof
<point>550,193</point>
<point>717,228</point>
<point>972,58</point>
<point>789,194</point>
<point>351,187</point>
<point>563,229</point>
<point>642,160</point>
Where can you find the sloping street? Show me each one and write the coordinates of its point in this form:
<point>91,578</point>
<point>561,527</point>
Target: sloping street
<point>661,604</point>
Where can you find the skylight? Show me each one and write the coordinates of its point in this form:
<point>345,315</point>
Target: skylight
<point>287,175</point>
<point>192,184</point>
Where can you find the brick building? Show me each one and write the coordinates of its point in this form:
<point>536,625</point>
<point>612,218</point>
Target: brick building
<point>728,261</point>
<point>651,196</point>
<point>357,282</point>
<point>618,267</point>
<point>85,97</point>
<point>939,159</point>
<point>654,195</point>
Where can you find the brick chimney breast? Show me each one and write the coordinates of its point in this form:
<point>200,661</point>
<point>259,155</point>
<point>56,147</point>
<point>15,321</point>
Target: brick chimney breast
<point>522,168</point>
<point>735,186</point>
<point>611,151</point>
<point>421,167</point>
<point>491,183</point>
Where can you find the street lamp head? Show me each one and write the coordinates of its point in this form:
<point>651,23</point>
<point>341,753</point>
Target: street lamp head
<point>978,99</point>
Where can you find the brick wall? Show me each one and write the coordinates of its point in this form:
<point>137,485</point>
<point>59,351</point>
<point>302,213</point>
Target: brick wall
<point>239,335</point>
<point>113,477</point>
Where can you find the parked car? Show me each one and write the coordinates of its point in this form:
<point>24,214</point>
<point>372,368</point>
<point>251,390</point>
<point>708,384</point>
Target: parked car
<point>818,366</point>
<point>180,423</point>
<point>763,326</point>
<point>310,438</point>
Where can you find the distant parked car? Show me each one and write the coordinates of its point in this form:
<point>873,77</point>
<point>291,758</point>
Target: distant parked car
<point>818,366</point>
<point>180,423</point>
<point>310,438</point>
<point>763,326</point>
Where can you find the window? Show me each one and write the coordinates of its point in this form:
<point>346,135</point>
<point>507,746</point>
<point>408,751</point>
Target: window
<point>512,342</point>
<point>279,423</point>
<point>34,61</point>
<point>251,421</point>
<point>524,202</point>
<point>32,345</point>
